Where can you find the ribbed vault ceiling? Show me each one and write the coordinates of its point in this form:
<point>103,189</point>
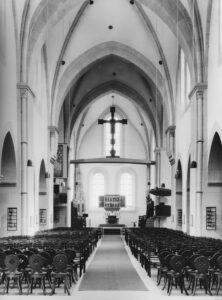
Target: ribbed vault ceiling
<point>149,30</point>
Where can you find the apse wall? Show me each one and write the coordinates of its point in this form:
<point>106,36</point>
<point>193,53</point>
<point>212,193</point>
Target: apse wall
<point>134,148</point>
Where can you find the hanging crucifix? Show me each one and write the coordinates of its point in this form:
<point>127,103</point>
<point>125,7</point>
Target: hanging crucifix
<point>112,123</point>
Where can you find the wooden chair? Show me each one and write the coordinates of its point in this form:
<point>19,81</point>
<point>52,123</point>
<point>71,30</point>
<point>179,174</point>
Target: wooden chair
<point>3,268</point>
<point>218,274</point>
<point>60,273</point>
<point>162,268</point>
<point>37,275</point>
<point>12,273</point>
<point>176,274</point>
<point>200,274</point>
<point>23,267</point>
<point>72,267</point>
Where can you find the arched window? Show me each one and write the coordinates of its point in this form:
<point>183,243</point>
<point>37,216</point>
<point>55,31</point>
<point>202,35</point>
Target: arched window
<point>215,161</point>
<point>8,162</point>
<point>117,136</point>
<point>42,179</point>
<point>98,188</point>
<point>127,188</point>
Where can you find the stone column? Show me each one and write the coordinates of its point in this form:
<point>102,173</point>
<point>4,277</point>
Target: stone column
<point>158,166</point>
<point>53,137</point>
<point>198,93</point>
<point>23,94</point>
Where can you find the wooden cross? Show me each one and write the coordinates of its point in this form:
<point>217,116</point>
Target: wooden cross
<point>112,123</point>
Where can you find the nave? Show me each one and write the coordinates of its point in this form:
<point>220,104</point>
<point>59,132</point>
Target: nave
<point>105,105</point>
<point>130,265</point>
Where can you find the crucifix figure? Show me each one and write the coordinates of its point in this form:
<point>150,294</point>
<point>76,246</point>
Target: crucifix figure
<point>112,123</point>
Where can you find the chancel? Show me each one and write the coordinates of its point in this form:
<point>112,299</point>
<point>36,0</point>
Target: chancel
<point>111,148</point>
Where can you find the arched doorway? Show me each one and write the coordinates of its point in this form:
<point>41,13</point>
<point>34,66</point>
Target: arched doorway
<point>212,208</point>
<point>43,200</point>
<point>9,205</point>
<point>8,162</point>
<point>179,196</point>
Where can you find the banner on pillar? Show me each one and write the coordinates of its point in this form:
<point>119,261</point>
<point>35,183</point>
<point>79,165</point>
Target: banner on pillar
<point>61,163</point>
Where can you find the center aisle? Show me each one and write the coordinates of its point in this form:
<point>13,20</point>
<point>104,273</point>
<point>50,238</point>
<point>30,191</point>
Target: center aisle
<point>111,269</point>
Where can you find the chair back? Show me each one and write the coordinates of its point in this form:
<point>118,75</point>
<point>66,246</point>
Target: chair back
<point>167,260</point>
<point>219,262</point>
<point>190,261</point>
<point>186,253</point>
<point>201,264</point>
<point>23,261</point>
<point>213,260</point>
<point>177,263</point>
<point>36,262</point>
<point>71,254</point>
<point>60,262</point>
<point>2,260</point>
<point>11,262</point>
<point>162,256</point>
<point>47,257</point>
<point>28,253</point>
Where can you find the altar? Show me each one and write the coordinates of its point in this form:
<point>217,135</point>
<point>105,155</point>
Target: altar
<point>112,205</point>
<point>112,229</point>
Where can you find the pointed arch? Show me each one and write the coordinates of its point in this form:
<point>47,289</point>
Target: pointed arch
<point>188,198</point>
<point>8,162</point>
<point>215,161</point>
<point>179,195</point>
<point>42,179</point>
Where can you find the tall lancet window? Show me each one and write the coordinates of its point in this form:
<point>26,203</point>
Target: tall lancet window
<point>117,136</point>
<point>127,188</point>
<point>98,188</point>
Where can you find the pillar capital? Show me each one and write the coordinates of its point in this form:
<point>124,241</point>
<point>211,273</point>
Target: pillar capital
<point>53,129</point>
<point>159,149</point>
<point>25,90</point>
<point>171,130</point>
<point>198,89</point>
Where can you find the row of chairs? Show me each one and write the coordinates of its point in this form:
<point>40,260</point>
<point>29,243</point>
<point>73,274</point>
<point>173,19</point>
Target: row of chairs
<point>181,261</point>
<point>59,261</point>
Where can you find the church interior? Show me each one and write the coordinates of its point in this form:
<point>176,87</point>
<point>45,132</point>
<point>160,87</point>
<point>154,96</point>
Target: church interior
<point>111,147</point>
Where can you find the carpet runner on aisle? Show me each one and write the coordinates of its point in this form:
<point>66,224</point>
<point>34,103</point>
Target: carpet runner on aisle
<point>111,269</point>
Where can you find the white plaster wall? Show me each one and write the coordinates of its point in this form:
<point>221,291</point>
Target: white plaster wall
<point>92,147</point>
<point>38,141</point>
<point>213,195</point>
<point>9,197</point>
<point>127,216</point>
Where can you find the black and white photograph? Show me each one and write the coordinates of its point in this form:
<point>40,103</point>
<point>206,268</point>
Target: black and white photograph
<point>111,149</point>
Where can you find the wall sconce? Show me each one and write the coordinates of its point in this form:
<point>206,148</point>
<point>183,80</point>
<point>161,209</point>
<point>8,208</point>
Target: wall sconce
<point>193,164</point>
<point>29,163</point>
<point>47,175</point>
